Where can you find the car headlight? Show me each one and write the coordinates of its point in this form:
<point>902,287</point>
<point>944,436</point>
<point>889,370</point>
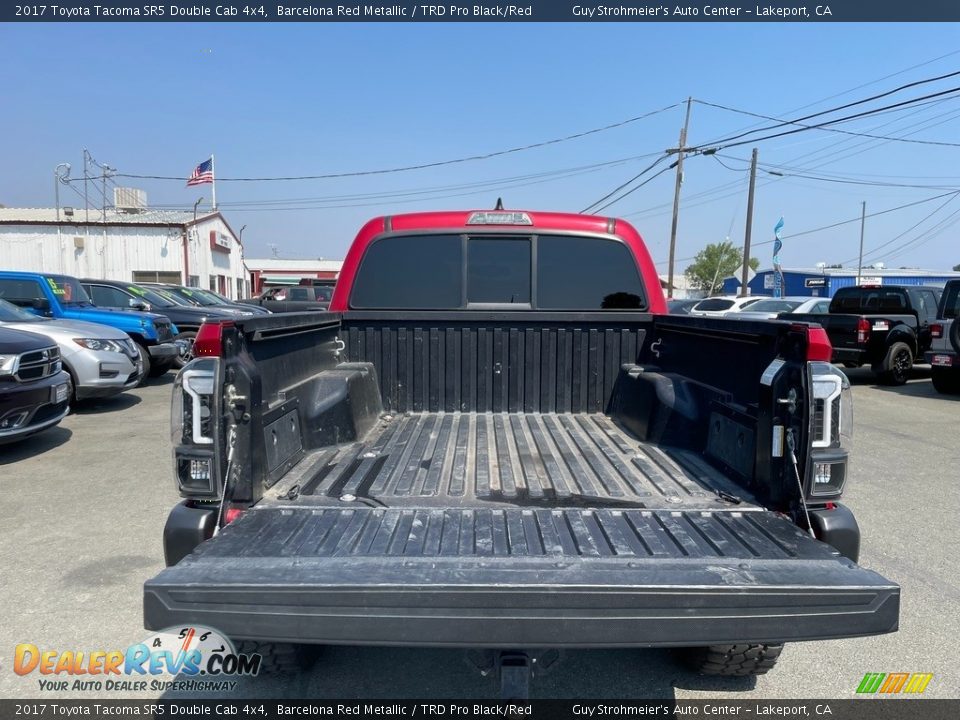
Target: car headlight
<point>97,344</point>
<point>8,364</point>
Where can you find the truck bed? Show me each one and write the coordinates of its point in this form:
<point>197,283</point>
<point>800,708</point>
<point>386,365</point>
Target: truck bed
<point>517,459</point>
<point>515,529</point>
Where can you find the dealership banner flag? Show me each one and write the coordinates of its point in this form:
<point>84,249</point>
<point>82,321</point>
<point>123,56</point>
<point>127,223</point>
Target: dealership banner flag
<point>777,270</point>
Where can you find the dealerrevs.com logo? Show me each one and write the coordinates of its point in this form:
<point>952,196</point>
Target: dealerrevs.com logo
<point>894,683</point>
<point>201,658</point>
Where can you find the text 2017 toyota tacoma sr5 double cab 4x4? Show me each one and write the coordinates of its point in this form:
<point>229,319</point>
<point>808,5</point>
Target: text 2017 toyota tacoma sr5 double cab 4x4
<point>497,439</point>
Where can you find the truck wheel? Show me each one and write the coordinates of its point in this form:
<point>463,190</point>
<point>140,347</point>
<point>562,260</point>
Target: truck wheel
<point>187,337</point>
<point>946,381</point>
<point>737,660</point>
<point>280,658</point>
<point>145,360</point>
<point>897,364</point>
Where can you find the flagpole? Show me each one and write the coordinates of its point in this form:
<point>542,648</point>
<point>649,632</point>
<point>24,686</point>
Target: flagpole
<point>213,169</point>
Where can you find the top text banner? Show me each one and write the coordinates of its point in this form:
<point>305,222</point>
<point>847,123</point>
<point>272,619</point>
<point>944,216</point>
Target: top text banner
<point>525,11</point>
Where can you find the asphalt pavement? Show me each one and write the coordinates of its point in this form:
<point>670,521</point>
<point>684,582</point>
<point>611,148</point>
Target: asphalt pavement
<point>83,508</point>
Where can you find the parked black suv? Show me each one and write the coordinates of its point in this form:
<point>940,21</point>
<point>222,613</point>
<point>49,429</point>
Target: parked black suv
<point>131,296</point>
<point>34,389</point>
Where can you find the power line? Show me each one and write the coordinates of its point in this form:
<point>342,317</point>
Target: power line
<point>432,191</point>
<point>828,129</point>
<point>866,84</point>
<point>866,113</point>
<point>811,231</point>
<point>657,174</point>
<point>953,196</point>
<point>784,171</point>
<point>422,166</point>
<point>915,83</point>
<point>620,187</point>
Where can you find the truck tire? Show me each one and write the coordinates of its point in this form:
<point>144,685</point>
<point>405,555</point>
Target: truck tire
<point>145,360</point>
<point>896,366</point>
<point>946,381</point>
<point>955,334</point>
<point>734,660</point>
<point>184,359</point>
<point>279,658</point>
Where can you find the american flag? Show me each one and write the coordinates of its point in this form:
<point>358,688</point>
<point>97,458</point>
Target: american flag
<point>203,173</point>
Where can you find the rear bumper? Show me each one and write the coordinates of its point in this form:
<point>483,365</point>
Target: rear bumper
<point>164,351</point>
<point>942,358</point>
<point>253,584</point>
<point>850,355</point>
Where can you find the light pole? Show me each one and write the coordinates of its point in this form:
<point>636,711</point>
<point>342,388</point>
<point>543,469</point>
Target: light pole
<point>57,179</point>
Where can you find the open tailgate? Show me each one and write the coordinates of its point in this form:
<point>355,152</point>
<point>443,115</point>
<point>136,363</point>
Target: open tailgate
<point>520,577</point>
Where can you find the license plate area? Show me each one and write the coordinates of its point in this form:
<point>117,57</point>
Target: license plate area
<point>59,393</point>
<point>942,360</point>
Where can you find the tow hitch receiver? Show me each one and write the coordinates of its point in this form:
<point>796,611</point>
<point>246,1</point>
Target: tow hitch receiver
<point>514,668</point>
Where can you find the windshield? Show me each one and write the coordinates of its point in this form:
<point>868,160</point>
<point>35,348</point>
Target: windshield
<point>153,297</point>
<point>11,313</point>
<point>192,295</point>
<point>773,306</point>
<point>68,290</point>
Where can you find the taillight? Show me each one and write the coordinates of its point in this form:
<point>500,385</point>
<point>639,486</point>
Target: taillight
<point>936,330</point>
<point>194,431</point>
<point>209,339</point>
<point>818,343</point>
<point>863,331</point>
<point>831,430</point>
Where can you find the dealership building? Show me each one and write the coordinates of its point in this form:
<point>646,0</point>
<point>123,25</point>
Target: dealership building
<point>825,281</point>
<point>126,243</point>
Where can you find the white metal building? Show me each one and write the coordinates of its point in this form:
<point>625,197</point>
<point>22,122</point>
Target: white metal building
<point>135,244</point>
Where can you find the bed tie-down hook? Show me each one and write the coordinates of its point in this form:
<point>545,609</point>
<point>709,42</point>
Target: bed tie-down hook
<point>338,346</point>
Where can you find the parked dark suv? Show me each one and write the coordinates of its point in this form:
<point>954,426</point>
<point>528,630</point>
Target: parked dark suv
<point>34,389</point>
<point>131,296</point>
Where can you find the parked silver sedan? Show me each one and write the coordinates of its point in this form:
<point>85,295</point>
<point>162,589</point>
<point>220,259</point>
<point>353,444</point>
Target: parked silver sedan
<point>102,361</point>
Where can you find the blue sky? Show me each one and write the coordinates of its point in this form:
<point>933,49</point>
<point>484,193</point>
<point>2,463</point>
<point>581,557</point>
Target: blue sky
<point>306,99</point>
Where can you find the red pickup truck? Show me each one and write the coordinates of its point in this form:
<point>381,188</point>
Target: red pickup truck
<point>497,439</point>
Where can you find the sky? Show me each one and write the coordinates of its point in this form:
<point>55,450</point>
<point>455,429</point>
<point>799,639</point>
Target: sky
<point>315,98</point>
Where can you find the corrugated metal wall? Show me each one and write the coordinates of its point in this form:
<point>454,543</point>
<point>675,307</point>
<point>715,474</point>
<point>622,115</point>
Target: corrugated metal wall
<point>794,282</point>
<point>115,252</point>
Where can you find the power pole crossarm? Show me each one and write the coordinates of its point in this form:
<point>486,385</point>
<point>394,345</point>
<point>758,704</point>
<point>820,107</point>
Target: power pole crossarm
<point>676,197</point>
<point>745,270</point>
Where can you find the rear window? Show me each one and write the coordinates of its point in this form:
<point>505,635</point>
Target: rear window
<point>713,304</point>
<point>773,306</point>
<point>869,301</point>
<point>547,272</point>
<point>413,272</point>
<point>498,270</point>
<point>577,273</point>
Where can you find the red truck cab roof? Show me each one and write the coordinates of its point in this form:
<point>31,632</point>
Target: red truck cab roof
<point>511,221</point>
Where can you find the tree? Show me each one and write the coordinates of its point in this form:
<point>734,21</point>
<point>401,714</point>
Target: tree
<point>956,268</point>
<point>714,263</point>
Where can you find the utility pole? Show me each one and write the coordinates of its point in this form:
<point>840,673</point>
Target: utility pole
<point>863,223</point>
<point>86,202</point>
<point>676,197</point>
<point>745,268</point>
